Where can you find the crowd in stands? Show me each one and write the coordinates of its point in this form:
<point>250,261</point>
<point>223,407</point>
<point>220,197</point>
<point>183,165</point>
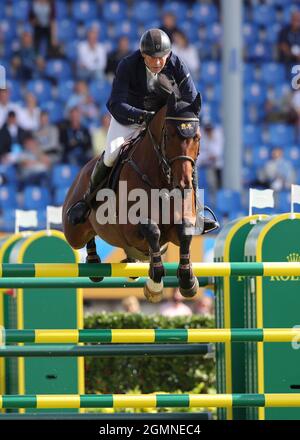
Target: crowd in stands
<point>60,58</point>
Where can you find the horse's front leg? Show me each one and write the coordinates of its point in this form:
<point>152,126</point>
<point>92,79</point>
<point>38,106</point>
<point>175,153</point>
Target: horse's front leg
<point>93,257</point>
<point>153,289</point>
<point>188,283</point>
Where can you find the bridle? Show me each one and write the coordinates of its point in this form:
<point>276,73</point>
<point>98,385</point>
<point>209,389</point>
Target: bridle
<point>165,163</point>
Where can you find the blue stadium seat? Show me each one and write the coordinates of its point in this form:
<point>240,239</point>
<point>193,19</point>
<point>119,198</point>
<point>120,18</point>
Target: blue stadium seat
<point>264,15</point>
<point>281,134</point>
<point>104,32</point>
<point>71,51</point>
<point>8,220</point>
<point>272,32</point>
<point>65,90</point>
<point>273,73</point>
<point>210,72</point>
<point>128,28</point>
<point>228,201</point>
<point>260,155</point>
<point>249,73</point>
<point>61,10</point>
<point>292,153</point>
<point>8,197</point>
<point>114,11</point>
<point>40,88</point>
<point>283,202</point>
<point>8,29</point>
<point>248,176</point>
<point>281,90</point>
<point>20,10</point>
<point>60,195</point>
<point>63,175</point>
<point>35,197</point>
<point>255,93</point>
<point>100,91</point>
<point>179,9</point>
<point>66,30</point>
<point>204,13</point>
<point>253,113</point>
<point>84,10</point>
<point>250,32</point>
<point>15,89</point>
<point>215,33</point>
<point>260,52</point>
<point>190,29</point>
<point>42,219</point>
<point>58,69</point>
<point>145,11</point>
<point>252,134</point>
<point>8,174</point>
<point>288,10</point>
<point>213,93</point>
<point>55,110</point>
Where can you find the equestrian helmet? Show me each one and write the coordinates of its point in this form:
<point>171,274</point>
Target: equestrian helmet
<point>155,43</point>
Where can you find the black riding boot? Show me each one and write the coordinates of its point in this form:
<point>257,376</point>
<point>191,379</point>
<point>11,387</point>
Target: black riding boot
<point>79,212</point>
<point>209,224</point>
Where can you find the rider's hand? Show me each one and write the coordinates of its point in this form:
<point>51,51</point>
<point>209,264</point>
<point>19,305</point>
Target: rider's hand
<point>146,117</point>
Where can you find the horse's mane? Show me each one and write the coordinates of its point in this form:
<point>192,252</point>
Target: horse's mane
<point>162,88</point>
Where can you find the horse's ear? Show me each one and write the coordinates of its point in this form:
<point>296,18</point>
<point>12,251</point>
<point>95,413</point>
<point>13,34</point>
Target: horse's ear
<point>172,101</point>
<point>197,104</point>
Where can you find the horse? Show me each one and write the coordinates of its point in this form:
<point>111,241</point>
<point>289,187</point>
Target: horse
<point>164,157</point>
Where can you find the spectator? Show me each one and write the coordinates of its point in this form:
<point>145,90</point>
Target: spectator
<point>278,173</point>
<point>289,41</point>
<point>11,139</point>
<point>25,63</point>
<point>175,307</point>
<point>211,154</point>
<point>29,115</point>
<point>131,304</point>
<point>281,109</point>
<point>34,164</point>
<point>6,106</point>
<point>205,306</point>
<point>47,137</point>
<point>75,139</point>
<point>169,25</point>
<point>99,134</point>
<point>117,55</point>
<point>82,99</point>
<point>92,57</point>
<point>187,52</point>
<point>42,18</point>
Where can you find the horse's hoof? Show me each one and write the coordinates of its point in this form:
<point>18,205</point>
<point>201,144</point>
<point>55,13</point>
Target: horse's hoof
<point>153,291</point>
<point>94,259</point>
<point>189,293</point>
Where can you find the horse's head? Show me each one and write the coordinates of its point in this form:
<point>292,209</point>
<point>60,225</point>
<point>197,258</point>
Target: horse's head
<point>182,140</point>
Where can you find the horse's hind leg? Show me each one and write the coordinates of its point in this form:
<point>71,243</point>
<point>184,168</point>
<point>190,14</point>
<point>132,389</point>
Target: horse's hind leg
<point>153,289</point>
<point>188,283</point>
<point>93,257</point>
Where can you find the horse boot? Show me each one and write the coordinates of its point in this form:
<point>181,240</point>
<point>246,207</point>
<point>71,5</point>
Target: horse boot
<point>80,211</point>
<point>209,224</point>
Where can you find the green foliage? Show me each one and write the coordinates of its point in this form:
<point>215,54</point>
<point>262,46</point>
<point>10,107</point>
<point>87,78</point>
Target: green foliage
<point>149,374</point>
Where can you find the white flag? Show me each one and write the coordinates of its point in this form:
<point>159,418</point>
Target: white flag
<point>295,197</point>
<point>25,219</point>
<point>261,199</point>
<point>54,215</point>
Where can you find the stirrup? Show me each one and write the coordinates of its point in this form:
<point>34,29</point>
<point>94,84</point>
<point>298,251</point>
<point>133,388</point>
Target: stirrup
<point>214,221</point>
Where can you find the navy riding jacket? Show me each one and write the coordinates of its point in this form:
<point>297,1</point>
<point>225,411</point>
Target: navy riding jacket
<point>129,89</point>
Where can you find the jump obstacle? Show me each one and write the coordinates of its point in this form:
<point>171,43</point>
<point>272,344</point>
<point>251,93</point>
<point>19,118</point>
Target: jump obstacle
<point>254,276</point>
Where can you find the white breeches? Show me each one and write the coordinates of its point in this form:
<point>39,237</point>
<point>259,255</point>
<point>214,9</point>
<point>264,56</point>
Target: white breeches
<point>116,135</point>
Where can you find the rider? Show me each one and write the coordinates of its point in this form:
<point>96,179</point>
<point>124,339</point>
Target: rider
<point>128,102</point>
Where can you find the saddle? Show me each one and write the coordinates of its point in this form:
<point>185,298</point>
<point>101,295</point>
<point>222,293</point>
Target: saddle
<point>125,149</point>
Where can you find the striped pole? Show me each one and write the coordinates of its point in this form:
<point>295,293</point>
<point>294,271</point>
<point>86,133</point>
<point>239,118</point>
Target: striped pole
<point>104,351</point>
<point>65,401</point>
<point>150,336</point>
<point>24,283</point>
<point>51,270</point>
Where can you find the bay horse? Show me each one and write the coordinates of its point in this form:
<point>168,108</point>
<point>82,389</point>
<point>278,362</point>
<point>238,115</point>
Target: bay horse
<point>163,158</point>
